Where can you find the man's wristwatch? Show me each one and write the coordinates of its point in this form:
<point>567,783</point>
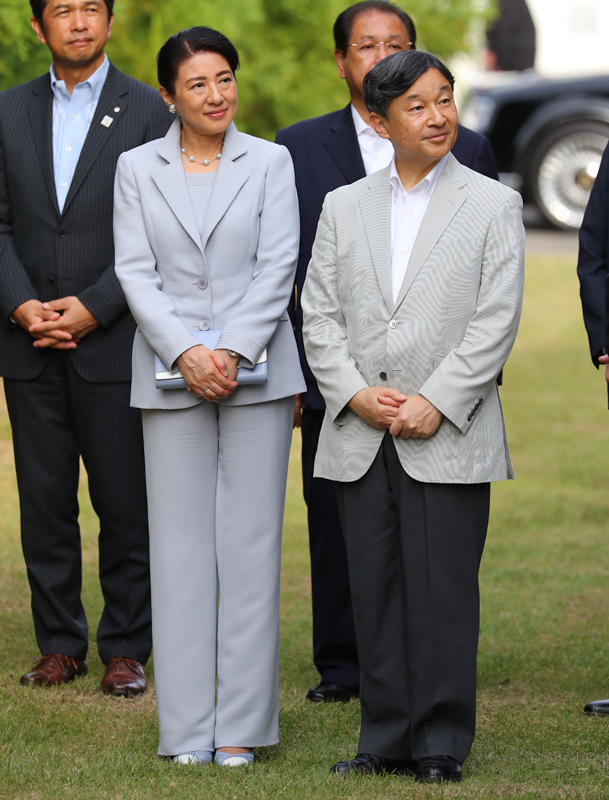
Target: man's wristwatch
<point>232,354</point>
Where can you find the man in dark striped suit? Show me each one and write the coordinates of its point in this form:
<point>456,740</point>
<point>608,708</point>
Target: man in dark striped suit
<point>65,341</point>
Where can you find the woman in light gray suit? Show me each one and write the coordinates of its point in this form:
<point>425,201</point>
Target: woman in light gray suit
<point>206,231</point>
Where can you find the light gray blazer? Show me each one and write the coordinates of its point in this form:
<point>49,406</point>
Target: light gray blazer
<point>235,276</point>
<point>447,337</point>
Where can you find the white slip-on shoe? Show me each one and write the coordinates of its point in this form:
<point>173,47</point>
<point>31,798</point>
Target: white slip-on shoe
<point>193,757</point>
<point>236,761</point>
<point>233,759</point>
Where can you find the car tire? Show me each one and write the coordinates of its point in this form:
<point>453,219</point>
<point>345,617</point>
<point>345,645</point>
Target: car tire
<point>562,168</point>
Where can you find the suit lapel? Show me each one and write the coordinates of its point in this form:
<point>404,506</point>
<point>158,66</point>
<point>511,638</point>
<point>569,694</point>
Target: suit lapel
<point>341,143</point>
<point>446,200</point>
<point>375,206</point>
<point>40,112</point>
<point>114,95</point>
<point>231,176</point>
<point>171,182</point>
<point>172,185</point>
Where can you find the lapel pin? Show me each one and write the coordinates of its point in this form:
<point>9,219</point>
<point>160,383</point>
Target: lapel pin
<point>107,121</point>
<point>116,110</point>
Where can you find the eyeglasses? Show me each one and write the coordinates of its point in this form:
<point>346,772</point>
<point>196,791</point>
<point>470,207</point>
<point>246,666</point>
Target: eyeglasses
<point>369,46</point>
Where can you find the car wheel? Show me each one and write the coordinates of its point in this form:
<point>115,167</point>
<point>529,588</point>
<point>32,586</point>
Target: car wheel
<point>562,170</point>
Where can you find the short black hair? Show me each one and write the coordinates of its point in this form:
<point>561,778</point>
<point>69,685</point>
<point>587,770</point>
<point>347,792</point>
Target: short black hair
<point>38,7</point>
<point>393,76</point>
<point>345,21</point>
<point>184,45</point>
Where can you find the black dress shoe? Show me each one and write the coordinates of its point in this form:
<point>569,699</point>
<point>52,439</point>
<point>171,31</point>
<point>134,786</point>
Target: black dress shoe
<point>332,693</point>
<point>438,769</point>
<point>597,708</point>
<point>368,764</point>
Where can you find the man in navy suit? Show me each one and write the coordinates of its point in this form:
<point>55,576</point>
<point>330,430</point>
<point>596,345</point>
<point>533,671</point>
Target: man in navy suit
<point>328,152</point>
<point>593,273</point>
<point>65,342</point>
<point>592,264</point>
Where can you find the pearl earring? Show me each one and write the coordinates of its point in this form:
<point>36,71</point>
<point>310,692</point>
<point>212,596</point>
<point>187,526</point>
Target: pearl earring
<point>172,108</point>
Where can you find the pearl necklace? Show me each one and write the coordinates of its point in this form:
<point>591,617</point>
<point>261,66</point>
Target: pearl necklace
<point>205,161</point>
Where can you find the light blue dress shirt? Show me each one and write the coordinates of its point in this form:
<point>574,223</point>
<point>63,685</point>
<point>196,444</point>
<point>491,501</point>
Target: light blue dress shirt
<point>72,115</point>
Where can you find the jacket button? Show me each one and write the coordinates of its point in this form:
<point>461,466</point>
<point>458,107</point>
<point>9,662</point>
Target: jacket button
<point>393,324</point>
<point>51,280</point>
<point>202,283</point>
<point>383,376</point>
<point>204,325</point>
<point>61,233</point>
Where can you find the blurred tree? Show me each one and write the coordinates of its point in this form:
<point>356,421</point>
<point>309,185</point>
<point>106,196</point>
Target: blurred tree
<point>286,47</point>
<point>21,55</point>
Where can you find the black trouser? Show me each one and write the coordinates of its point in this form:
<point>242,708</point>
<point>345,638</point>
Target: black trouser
<point>414,553</point>
<point>334,646</point>
<point>55,418</point>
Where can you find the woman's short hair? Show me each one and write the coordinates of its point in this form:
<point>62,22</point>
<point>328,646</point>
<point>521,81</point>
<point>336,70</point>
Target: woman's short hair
<point>345,21</point>
<point>38,7</point>
<point>393,76</point>
<point>184,45</point>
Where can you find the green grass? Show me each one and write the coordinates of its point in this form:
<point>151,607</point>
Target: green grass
<point>544,647</point>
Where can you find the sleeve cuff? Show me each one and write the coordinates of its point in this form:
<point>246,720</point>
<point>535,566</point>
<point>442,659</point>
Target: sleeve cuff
<point>337,403</point>
<point>87,298</point>
<point>105,301</point>
<point>10,307</point>
<point>176,346</point>
<point>246,348</point>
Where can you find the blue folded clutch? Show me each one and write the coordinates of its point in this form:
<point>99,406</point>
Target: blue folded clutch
<point>172,379</point>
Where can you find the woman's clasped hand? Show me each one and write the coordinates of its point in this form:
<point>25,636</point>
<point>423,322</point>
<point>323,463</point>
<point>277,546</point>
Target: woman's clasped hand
<point>208,373</point>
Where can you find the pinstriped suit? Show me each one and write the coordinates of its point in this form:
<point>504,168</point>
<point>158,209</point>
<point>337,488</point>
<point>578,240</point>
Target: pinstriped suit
<point>63,404</point>
<point>415,511</point>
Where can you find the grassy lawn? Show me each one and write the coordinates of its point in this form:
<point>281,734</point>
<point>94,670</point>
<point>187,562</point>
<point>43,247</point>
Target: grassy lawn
<point>544,650</point>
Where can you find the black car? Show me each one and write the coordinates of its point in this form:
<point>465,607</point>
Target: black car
<point>548,137</point>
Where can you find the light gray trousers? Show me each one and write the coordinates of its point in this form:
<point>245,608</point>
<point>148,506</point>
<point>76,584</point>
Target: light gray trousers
<point>216,478</point>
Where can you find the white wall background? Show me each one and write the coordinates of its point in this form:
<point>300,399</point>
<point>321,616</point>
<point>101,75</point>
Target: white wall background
<point>572,36</point>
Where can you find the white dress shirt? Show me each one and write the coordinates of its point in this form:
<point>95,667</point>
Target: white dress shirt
<point>407,212</point>
<point>376,151</point>
<point>72,115</point>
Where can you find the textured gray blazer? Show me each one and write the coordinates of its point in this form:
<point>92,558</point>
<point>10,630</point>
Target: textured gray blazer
<point>236,276</point>
<point>447,337</point>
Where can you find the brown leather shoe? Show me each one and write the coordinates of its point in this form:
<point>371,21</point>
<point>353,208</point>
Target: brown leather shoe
<point>124,677</point>
<point>53,669</point>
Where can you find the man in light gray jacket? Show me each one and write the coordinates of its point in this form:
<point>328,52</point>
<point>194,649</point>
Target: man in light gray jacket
<point>411,306</point>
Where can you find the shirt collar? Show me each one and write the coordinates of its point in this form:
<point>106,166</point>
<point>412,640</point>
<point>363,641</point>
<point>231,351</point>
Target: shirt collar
<point>95,81</point>
<point>431,179</point>
<point>361,126</point>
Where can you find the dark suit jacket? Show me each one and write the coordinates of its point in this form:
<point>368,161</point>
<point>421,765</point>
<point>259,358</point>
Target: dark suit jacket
<point>592,264</point>
<point>48,255</point>
<point>326,155</point>
<point>512,36</point>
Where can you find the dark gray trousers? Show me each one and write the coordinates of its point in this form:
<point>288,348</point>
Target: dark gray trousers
<point>334,646</point>
<point>414,551</point>
<point>56,418</point>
